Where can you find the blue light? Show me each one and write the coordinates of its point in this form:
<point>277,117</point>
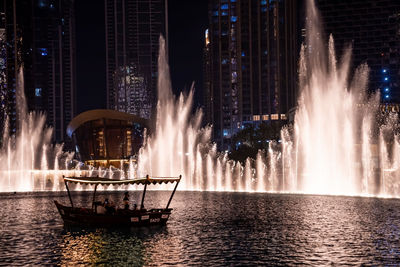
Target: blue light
<point>384,70</point>
<point>43,51</point>
<point>386,79</point>
<point>243,54</point>
<point>386,96</point>
<point>263,2</point>
<point>224,13</point>
<point>233,18</point>
<point>224,6</point>
<point>263,9</point>
<point>38,92</point>
<point>225,133</point>
<point>215,13</point>
<point>387,89</point>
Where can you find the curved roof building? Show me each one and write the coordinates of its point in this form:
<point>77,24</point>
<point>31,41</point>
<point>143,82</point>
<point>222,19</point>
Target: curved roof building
<point>104,137</point>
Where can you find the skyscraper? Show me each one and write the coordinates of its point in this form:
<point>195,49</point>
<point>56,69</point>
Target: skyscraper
<point>41,40</point>
<point>133,28</point>
<point>251,64</point>
<point>372,28</point>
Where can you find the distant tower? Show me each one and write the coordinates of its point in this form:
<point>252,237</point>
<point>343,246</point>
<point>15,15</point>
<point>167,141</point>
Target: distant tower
<point>251,64</point>
<point>132,95</point>
<point>41,38</point>
<point>133,28</point>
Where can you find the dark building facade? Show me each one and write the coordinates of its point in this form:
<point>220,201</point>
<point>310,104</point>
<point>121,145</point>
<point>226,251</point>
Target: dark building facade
<point>373,29</point>
<point>40,38</point>
<point>250,64</point>
<point>133,28</point>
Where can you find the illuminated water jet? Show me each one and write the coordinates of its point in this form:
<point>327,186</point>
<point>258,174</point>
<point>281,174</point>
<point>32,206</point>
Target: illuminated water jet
<point>335,146</point>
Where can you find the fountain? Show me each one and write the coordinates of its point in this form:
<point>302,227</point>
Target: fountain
<point>336,146</point>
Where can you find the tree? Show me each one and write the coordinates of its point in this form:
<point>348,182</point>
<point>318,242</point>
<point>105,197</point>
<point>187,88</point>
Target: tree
<point>247,142</point>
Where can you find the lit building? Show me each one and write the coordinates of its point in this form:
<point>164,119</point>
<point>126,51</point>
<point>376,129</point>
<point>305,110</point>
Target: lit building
<point>373,29</point>
<point>131,91</point>
<point>107,137</point>
<point>41,38</point>
<point>133,29</point>
<point>250,65</point>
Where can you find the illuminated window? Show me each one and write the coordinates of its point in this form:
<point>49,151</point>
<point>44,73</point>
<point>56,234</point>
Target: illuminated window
<point>256,117</point>
<point>233,18</point>
<point>283,117</point>
<point>274,116</point>
<point>263,2</point>
<point>226,132</point>
<point>224,6</point>
<point>38,92</point>
<point>43,51</point>
<point>265,117</point>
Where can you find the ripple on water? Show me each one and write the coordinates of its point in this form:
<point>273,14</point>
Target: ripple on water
<point>209,229</point>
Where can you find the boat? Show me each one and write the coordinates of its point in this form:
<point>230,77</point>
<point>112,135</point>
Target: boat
<point>97,215</point>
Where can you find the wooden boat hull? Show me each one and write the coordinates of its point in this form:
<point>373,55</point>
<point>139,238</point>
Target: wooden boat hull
<point>131,218</point>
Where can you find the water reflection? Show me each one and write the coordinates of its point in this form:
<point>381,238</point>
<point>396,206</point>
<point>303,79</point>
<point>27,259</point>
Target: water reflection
<point>207,228</point>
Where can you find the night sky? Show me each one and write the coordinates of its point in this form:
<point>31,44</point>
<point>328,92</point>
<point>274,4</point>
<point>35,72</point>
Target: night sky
<point>187,23</point>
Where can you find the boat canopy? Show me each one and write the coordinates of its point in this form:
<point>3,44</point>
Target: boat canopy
<point>107,181</point>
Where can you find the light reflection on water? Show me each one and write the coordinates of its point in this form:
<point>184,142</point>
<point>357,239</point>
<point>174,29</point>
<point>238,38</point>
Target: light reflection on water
<point>208,229</point>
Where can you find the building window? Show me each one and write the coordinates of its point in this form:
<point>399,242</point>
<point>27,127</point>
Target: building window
<point>256,117</point>
<point>265,117</point>
<point>233,18</point>
<point>43,51</point>
<point>224,7</point>
<point>274,116</point>
<point>38,92</point>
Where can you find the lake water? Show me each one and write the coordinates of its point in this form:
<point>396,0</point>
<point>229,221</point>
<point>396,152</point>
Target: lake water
<point>208,228</point>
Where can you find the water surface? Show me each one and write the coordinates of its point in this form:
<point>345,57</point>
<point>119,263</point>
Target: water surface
<point>208,228</point>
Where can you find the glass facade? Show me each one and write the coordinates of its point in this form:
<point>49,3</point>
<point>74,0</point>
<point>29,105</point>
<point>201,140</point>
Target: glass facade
<point>41,38</point>
<point>250,64</point>
<point>133,29</point>
<point>106,137</point>
<point>131,90</point>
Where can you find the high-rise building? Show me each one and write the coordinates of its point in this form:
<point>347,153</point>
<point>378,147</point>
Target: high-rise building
<point>41,40</point>
<point>133,28</point>
<point>250,63</point>
<point>372,28</point>
<point>3,67</point>
<point>131,90</point>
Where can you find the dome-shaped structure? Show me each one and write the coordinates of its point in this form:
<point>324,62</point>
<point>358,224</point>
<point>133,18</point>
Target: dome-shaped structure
<point>104,137</point>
